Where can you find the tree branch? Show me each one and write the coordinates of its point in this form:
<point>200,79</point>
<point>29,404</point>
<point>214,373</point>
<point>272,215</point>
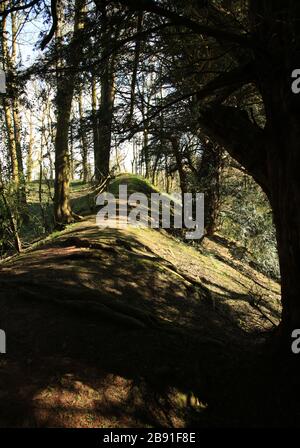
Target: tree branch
<point>245,142</point>
<point>6,12</point>
<point>51,33</point>
<point>177,19</point>
<point>233,79</point>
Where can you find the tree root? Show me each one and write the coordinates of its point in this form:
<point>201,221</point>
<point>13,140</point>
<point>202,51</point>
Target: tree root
<point>93,304</point>
<point>85,243</point>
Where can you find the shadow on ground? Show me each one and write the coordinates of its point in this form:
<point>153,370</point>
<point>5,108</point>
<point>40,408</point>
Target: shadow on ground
<point>71,363</point>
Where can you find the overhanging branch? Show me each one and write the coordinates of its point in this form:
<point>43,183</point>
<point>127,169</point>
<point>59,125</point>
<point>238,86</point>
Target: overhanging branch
<point>51,33</point>
<point>8,11</point>
<point>177,19</point>
<point>245,142</point>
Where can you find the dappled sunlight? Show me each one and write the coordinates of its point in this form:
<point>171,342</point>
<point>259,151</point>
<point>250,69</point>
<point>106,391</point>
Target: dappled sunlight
<point>119,312</point>
<point>105,401</point>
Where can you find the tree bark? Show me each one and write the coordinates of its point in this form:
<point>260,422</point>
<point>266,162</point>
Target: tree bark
<point>102,148</point>
<point>7,104</point>
<point>65,91</point>
<point>11,142</point>
<point>283,172</point>
<point>29,161</point>
<point>84,143</point>
<point>208,177</point>
<point>105,116</point>
<point>272,157</point>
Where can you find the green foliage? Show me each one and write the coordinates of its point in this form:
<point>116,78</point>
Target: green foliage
<point>246,217</point>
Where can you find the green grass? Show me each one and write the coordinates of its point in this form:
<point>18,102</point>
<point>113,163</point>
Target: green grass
<point>134,184</point>
<point>82,203</point>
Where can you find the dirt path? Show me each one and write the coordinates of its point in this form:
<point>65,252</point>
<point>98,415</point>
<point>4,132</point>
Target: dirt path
<point>112,328</point>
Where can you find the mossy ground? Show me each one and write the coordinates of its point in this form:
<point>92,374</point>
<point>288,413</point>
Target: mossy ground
<point>200,359</point>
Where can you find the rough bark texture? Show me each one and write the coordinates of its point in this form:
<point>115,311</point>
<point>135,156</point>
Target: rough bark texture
<point>29,161</point>
<point>209,179</point>
<point>271,155</point>
<point>12,110</point>
<point>84,143</point>
<point>105,115</point>
<point>11,142</point>
<point>65,92</point>
<point>102,142</point>
<point>7,103</point>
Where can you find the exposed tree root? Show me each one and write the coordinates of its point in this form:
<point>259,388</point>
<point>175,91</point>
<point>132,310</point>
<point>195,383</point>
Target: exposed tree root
<point>84,243</point>
<point>84,301</point>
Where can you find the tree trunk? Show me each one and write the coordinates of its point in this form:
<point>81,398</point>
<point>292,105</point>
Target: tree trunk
<point>17,135</point>
<point>63,213</point>
<point>30,151</point>
<point>15,102</point>
<point>65,91</point>
<point>71,151</point>
<point>84,143</point>
<point>94,118</point>
<point>7,104</point>
<point>180,168</point>
<point>11,142</point>
<point>283,167</point>
<point>288,232</point>
<point>272,157</point>
<point>277,24</point>
<point>209,182</point>
<point>105,116</point>
<point>102,149</point>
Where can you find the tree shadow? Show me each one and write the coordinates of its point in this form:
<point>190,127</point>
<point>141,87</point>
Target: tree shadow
<point>248,267</point>
<point>67,367</point>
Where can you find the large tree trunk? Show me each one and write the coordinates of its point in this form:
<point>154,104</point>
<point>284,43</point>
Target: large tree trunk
<point>272,157</point>
<point>286,217</point>
<point>65,91</point>
<point>15,103</point>
<point>12,114</point>
<point>105,116</point>
<point>94,99</point>
<point>7,103</point>
<point>63,213</point>
<point>277,24</point>
<point>102,148</point>
<point>284,181</point>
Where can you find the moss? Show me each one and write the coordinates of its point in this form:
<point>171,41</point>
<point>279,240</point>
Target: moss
<point>134,184</point>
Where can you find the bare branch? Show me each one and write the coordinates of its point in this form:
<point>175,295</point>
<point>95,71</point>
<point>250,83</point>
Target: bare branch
<point>8,11</point>
<point>51,33</point>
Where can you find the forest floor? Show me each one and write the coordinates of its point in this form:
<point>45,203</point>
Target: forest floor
<point>130,327</point>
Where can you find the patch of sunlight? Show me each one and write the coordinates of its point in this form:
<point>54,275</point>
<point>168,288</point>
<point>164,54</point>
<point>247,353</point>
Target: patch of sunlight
<point>190,400</point>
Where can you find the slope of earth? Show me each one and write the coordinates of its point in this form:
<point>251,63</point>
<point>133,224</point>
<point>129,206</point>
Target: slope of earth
<point>130,327</point>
